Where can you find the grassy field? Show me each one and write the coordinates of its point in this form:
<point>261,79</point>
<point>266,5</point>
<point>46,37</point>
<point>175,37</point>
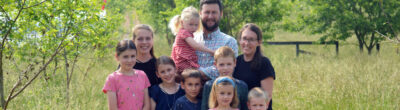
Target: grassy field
<point>351,80</point>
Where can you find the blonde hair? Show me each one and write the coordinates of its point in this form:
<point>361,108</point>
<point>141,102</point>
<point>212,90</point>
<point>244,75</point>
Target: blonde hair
<point>144,27</point>
<point>258,92</point>
<point>187,14</point>
<point>212,102</point>
<point>224,51</point>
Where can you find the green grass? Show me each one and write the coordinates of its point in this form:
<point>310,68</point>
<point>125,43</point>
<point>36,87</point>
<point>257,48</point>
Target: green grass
<point>351,80</point>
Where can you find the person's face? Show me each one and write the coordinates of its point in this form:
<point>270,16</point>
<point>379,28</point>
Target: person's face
<point>127,59</point>
<point>210,16</point>
<point>249,42</point>
<point>225,65</point>
<point>143,41</point>
<point>225,95</point>
<point>166,72</point>
<point>192,87</point>
<point>191,24</point>
<point>257,103</point>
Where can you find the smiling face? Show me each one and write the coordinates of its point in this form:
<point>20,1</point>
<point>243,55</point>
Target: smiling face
<point>225,65</point>
<point>249,42</point>
<point>143,41</point>
<point>210,16</point>
<point>192,87</point>
<point>225,94</point>
<point>257,103</point>
<point>166,72</point>
<point>127,59</point>
<point>191,24</point>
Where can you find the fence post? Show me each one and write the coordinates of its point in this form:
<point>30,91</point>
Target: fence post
<point>297,49</point>
<point>337,47</point>
<point>378,47</point>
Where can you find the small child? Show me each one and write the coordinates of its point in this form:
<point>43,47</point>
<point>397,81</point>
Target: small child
<point>164,95</point>
<point>225,62</point>
<point>223,94</point>
<point>258,99</point>
<point>183,49</point>
<point>126,88</point>
<point>191,83</point>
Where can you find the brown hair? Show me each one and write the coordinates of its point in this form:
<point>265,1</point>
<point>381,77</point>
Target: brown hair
<point>212,102</point>
<point>124,45</point>
<point>202,2</point>
<point>190,73</point>
<point>258,92</point>
<point>257,59</point>
<point>224,51</point>
<point>165,60</point>
<point>145,27</point>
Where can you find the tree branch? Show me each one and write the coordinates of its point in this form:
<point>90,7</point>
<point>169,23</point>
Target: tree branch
<point>388,38</point>
<point>35,4</point>
<point>4,11</point>
<point>59,48</point>
<point>388,21</point>
<point>9,29</point>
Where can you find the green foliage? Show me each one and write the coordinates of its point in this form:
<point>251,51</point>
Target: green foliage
<point>264,13</point>
<point>34,31</point>
<point>340,19</point>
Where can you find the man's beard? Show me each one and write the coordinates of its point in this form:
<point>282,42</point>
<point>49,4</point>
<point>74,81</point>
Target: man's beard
<point>212,28</point>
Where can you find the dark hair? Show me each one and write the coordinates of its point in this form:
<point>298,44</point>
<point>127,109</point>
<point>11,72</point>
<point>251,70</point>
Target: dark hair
<point>145,27</point>
<point>257,59</point>
<point>165,60</point>
<point>202,2</point>
<point>190,73</point>
<point>124,45</point>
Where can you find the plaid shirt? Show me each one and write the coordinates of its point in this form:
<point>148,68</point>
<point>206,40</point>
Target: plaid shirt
<point>214,40</point>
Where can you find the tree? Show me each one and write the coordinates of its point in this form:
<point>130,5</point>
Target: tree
<point>35,33</point>
<point>340,19</point>
<point>265,13</point>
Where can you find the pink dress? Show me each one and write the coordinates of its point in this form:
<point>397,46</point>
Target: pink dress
<point>129,89</point>
<point>183,55</point>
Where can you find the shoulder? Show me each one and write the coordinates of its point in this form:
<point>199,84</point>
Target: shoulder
<point>240,83</point>
<point>140,72</point>
<point>155,88</point>
<point>209,83</point>
<point>227,37</point>
<point>266,59</point>
<point>113,75</point>
<point>239,58</point>
<point>180,100</point>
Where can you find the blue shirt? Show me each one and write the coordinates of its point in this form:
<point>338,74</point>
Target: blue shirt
<point>213,41</point>
<point>184,104</point>
<point>164,101</point>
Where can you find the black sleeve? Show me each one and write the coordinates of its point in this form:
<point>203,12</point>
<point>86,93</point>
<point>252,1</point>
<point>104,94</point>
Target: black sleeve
<point>267,70</point>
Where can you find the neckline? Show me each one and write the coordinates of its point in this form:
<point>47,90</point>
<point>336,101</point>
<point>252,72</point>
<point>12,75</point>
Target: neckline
<point>135,74</point>
<point>165,92</point>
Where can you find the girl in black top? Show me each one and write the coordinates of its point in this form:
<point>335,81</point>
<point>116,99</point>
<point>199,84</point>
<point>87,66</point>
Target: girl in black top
<point>252,67</point>
<point>146,61</point>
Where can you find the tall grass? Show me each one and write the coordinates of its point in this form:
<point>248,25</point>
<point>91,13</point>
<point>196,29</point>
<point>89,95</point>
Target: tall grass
<point>351,80</point>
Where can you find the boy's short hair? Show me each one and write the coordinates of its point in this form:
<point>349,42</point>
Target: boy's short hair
<point>258,92</point>
<point>190,73</point>
<point>224,51</point>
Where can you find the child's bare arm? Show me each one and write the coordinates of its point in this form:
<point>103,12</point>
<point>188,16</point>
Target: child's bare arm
<point>198,46</point>
<point>153,104</point>
<point>112,100</point>
<point>146,104</point>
